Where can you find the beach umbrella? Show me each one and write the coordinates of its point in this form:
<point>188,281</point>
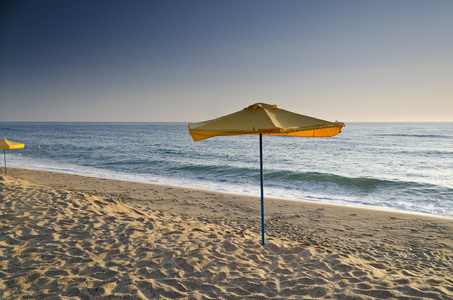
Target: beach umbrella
<point>259,119</point>
<point>5,144</point>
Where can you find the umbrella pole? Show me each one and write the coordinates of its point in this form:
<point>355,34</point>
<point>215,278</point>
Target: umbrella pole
<point>4,155</point>
<point>262,190</point>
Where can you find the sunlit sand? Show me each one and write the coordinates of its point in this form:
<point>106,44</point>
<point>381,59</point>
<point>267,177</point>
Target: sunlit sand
<point>73,236</point>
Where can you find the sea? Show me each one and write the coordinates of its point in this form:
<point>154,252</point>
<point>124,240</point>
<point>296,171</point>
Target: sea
<point>405,167</point>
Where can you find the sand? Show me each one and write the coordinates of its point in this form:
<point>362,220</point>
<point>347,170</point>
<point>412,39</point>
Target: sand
<point>73,237</point>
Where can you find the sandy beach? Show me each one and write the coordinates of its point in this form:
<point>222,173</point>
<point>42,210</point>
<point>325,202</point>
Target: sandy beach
<point>73,237</point>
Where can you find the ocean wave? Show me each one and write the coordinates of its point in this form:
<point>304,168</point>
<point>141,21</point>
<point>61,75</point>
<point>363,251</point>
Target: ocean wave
<point>361,185</point>
<point>437,136</point>
<point>426,152</point>
<point>304,180</point>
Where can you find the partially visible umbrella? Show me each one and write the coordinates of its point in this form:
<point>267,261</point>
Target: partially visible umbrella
<point>5,144</point>
<point>261,118</point>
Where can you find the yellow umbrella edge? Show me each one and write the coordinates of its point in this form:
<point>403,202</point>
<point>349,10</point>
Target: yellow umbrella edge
<point>5,144</point>
<point>328,131</point>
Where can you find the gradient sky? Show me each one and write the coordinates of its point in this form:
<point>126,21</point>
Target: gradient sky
<point>183,60</point>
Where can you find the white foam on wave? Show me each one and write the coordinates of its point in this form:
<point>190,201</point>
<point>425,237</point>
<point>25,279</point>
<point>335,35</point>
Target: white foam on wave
<point>238,189</point>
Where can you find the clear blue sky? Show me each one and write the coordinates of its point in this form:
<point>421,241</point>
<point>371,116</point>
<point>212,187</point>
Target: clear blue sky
<point>184,60</point>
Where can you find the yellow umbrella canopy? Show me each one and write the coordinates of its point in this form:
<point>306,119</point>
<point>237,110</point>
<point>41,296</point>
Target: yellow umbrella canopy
<point>5,144</point>
<point>261,118</point>
<point>265,119</point>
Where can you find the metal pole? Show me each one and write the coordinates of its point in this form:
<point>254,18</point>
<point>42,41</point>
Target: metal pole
<point>262,189</point>
<point>4,155</point>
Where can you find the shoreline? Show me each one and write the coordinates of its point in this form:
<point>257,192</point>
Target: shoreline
<point>29,174</point>
<point>204,203</point>
<point>71,236</point>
